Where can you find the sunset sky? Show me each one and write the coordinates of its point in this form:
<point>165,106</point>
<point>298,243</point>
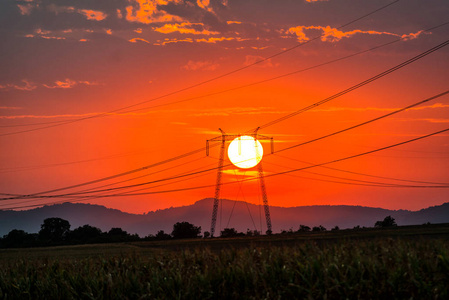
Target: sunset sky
<point>93,89</point>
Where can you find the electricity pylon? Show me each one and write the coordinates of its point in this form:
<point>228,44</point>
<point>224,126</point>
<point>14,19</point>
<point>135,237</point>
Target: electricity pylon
<point>230,137</point>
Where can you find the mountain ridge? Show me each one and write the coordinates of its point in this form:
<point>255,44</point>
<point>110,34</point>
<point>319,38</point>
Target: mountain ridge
<point>236,214</point>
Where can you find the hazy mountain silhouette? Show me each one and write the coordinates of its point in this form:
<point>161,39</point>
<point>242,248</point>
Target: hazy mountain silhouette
<point>244,216</point>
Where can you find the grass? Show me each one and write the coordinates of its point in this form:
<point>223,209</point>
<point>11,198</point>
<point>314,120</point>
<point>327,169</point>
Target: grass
<point>322,266</point>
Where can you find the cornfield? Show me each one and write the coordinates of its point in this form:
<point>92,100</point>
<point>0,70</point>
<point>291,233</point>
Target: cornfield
<point>389,268</point>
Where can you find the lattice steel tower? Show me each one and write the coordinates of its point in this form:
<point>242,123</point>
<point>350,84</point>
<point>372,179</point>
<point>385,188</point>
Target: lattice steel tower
<point>230,137</point>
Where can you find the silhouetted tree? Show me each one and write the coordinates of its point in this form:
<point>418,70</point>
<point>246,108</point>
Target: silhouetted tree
<point>335,228</point>
<point>319,228</point>
<point>116,231</point>
<point>303,228</point>
<point>387,222</point>
<point>290,231</point>
<point>17,239</point>
<point>185,230</point>
<point>149,237</point>
<point>54,230</point>
<point>206,234</point>
<point>161,235</point>
<point>250,232</point>
<point>85,234</point>
<point>120,235</point>
<point>229,232</point>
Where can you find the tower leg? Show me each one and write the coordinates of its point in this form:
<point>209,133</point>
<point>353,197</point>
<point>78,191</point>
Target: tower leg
<point>265,199</point>
<point>217,188</point>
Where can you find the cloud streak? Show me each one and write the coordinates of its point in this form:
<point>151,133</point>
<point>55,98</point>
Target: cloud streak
<point>330,34</point>
<point>135,40</point>
<point>147,12</point>
<point>67,84</point>
<point>25,85</point>
<point>93,14</point>
<point>200,65</point>
<point>385,109</point>
<point>185,28</point>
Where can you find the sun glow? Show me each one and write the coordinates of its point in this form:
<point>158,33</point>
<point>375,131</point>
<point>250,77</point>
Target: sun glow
<point>245,152</point>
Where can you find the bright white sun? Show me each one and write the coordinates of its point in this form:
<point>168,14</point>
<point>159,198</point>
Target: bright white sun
<point>245,152</point>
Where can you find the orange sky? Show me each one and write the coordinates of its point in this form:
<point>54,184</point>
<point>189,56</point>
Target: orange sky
<point>63,61</point>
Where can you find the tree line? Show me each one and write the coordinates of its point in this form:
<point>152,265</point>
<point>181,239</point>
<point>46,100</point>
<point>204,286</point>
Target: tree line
<point>56,231</point>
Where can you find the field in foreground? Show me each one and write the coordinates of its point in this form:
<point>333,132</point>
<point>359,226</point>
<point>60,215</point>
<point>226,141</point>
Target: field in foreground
<point>371,265</point>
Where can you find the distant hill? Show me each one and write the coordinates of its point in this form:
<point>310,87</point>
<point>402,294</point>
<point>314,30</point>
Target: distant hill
<point>244,216</point>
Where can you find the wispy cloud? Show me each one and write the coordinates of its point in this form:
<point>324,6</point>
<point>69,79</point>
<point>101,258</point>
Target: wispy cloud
<point>243,173</point>
<point>214,40</point>
<point>48,116</point>
<point>135,40</point>
<point>25,85</point>
<point>412,36</point>
<point>330,34</point>
<point>93,14</point>
<point>25,9</point>
<point>429,120</point>
<point>10,107</point>
<point>235,111</point>
<point>194,113</point>
<point>386,109</point>
<point>47,34</point>
<point>89,14</point>
<point>185,28</point>
<point>174,40</point>
<point>204,4</point>
<point>200,65</point>
<point>68,83</point>
<point>210,40</point>
<point>147,12</point>
<point>251,59</point>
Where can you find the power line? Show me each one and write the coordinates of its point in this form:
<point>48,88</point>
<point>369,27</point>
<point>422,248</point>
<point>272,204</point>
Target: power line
<point>87,197</point>
<point>175,177</point>
<point>271,175</point>
<point>365,153</point>
<point>359,85</point>
<point>397,67</point>
<point>352,181</point>
<point>205,81</point>
<point>368,175</point>
<point>122,174</point>
<point>367,122</point>
<point>246,85</point>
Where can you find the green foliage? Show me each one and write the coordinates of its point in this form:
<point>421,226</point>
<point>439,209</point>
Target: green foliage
<point>353,269</point>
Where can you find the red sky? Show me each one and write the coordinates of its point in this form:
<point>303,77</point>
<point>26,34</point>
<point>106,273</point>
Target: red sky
<point>63,61</point>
